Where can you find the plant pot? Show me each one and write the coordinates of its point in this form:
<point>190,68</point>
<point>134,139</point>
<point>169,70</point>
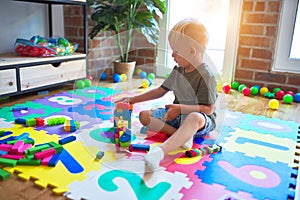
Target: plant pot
<point>124,68</point>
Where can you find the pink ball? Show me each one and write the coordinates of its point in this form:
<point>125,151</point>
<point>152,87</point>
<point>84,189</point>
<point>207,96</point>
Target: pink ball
<point>246,91</point>
<point>280,94</point>
<point>90,77</point>
<point>226,88</point>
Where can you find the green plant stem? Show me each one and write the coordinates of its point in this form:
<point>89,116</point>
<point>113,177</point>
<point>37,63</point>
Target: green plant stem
<point>119,39</point>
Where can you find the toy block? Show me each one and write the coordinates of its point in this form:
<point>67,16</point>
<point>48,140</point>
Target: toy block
<point>71,125</point>
<point>44,154</point>
<point>17,146</point>
<point>29,162</point>
<point>54,160</point>
<point>24,148</point>
<point>56,121</point>
<point>21,136</point>
<point>4,175</point>
<point>19,108</point>
<point>123,105</point>
<point>2,152</point>
<point>12,156</point>
<point>40,121</point>
<point>67,140</point>
<point>58,148</point>
<point>30,122</point>
<point>139,147</point>
<point>2,133</point>
<point>125,137</point>
<point>99,155</point>
<point>45,161</point>
<point>8,162</point>
<point>7,140</point>
<point>5,147</point>
<point>20,121</point>
<point>203,151</point>
<point>36,149</point>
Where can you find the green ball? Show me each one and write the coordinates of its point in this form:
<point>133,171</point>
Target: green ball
<point>275,90</point>
<point>151,76</point>
<point>63,42</point>
<point>254,90</point>
<point>241,87</point>
<point>288,98</point>
<point>235,85</point>
<point>80,84</point>
<point>87,82</point>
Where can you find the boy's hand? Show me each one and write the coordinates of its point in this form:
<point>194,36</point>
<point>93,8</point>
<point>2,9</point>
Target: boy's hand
<point>173,111</point>
<point>125,100</point>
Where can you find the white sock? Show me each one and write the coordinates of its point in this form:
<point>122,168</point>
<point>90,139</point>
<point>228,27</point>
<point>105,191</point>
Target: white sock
<point>188,144</point>
<point>153,157</point>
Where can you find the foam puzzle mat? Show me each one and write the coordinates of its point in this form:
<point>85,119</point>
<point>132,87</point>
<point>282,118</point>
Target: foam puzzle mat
<point>257,160</point>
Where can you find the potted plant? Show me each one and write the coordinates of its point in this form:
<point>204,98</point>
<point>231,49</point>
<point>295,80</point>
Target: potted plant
<point>125,16</point>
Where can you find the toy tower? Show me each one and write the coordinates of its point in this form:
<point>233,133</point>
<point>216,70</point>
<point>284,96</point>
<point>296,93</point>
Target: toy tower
<point>122,124</point>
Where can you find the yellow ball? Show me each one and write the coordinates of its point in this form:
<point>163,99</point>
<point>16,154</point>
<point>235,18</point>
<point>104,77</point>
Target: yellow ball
<point>138,71</point>
<point>273,104</point>
<point>123,77</point>
<point>263,90</point>
<point>145,83</point>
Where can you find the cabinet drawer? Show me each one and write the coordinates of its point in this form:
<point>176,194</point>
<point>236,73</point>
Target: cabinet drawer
<point>8,81</point>
<point>42,75</point>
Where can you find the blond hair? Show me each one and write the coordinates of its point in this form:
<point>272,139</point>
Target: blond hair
<point>191,28</point>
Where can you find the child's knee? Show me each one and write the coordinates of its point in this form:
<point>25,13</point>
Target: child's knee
<point>144,117</point>
<point>196,117</point>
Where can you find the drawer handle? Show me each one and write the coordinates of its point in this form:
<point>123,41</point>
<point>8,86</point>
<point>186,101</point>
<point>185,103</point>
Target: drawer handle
<point>10,83</point>
<point>56,64</point>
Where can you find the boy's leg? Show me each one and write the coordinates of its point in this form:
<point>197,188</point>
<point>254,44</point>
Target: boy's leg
<point>192,123</point>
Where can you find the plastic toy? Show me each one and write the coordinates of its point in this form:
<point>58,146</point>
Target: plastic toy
<point>263,90</point>
<point>19,108</point>
<point>235,85</point>
<point>99,155</point>
<point>123,77</point>
<point>273,104</point>
<point>143,74</point>
<point>117,78</point>
<point>254,90</point>
<point>297,97</point>
<point>226,88</point>
<point>270,95</point>
<point>138,71</point>
<point>290,92</point>
<point>151,76</point>
<point>241,87</point>
<point>246,91</point>
<point>203,151</point>
<point>90,78</point>
<point>275,90</point>
<point>56,121</point>
<point>288,99</point>
<point>139,147</point>
<point>279,94</point>
<point>146,83</point>
<point>80,84</point>
<point>71,125</point>
<point>103,76</point>
<point>87,82</point>
<point>67,140</point>
<point>4,175</point>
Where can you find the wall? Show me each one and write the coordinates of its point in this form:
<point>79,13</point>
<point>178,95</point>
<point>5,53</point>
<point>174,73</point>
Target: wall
<point>257,42</point>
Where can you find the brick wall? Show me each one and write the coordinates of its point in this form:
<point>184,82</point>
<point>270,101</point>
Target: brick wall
<point>102,50</point>
<point>257,42</point>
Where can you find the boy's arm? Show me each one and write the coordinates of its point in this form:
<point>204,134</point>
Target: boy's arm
<point>152,94</point>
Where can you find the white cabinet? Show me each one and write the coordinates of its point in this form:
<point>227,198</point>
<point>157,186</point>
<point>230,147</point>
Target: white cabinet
<point>25,74</point>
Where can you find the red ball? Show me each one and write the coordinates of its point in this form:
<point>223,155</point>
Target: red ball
<point>90,77</point>
<point>226,88</point>
<point>280,94</point>
<point>291,93</point>
<point>246,91</point>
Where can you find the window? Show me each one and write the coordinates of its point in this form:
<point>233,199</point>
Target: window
<point>287,58</point>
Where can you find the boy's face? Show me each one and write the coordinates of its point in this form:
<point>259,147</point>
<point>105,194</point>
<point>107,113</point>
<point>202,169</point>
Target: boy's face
<point>181,53</point>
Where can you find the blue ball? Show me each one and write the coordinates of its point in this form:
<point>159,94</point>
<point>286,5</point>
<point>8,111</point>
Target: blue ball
<point>103,76</point>
<point>297,97</point>
<point>117,78</point>
<point>143,74</point>
<point>257,86</point>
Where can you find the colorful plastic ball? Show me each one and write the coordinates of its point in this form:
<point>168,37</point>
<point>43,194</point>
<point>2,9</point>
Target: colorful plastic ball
<point>257,86</point>
<point>235,85</point>
<point>297,97</point>
<point>151,76</point>
<point>290,92</point>
<point>123,77</point>
<point>254,90</point>
<point>226,88</point>
<point>87,82</point>
<point>117,78</point>
<point>275,90</point>
<point>241,87</point>
<point>138,71</point>
<point>80,84</point>
<point>287,98</point>
<point>150,82</point>
<point>143,74</point>
<point>103,76</point>
<point>145,83</point>
<point>273,104</point>
<point>279,94</point>
<point>167,75</point>
<point>246,91</point>
<point>90,77</point>
<point>263,90</point>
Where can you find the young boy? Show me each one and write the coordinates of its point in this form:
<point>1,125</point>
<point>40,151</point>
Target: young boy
<point>192,113</point>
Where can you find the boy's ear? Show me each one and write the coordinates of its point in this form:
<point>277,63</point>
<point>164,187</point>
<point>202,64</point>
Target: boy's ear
<point>193,51</point>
